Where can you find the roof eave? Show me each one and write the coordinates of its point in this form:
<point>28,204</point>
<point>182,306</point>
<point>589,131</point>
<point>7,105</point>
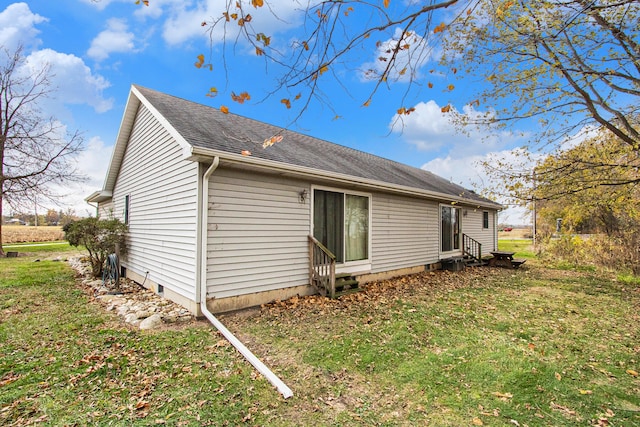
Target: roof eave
<point>201,154</point>
<point>99,197</point>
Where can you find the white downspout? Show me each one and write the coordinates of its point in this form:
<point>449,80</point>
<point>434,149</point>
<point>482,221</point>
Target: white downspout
<point>261,367</point>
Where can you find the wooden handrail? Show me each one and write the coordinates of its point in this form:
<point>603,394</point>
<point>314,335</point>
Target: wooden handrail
<point>471,247</point>
<point>322,268</point>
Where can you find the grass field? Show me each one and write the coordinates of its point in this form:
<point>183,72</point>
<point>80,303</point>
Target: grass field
<point>23,233</point>
<point>493,347</point>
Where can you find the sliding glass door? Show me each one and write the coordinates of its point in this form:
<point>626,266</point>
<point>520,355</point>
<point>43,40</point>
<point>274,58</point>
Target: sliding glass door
<point>449,229</point>
<point>341,223</point>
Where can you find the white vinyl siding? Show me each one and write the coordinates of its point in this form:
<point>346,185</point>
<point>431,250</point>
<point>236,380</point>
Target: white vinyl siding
<point>257,233</point>
<point>105,210</point>
<point>472,225</point>
<point>162,190</point>
<point>404,232</point>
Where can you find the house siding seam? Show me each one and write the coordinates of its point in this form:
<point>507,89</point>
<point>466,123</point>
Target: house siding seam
<point>257,233</point>
<point>163,207</point>
<point>472,225</point>
<point>404,232</point>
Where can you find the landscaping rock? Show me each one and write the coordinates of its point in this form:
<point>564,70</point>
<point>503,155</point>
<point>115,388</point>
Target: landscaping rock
<point>151,322</point>
<point>131,318</point>
<point>133,303</point>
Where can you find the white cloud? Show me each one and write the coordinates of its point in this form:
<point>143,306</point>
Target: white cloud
<point>468,171</point>
<point>463,151</point>
<point>72,80</point>
<point>92,163</point>
<point>17,27</point>
<point>102,4</point>
<point>185,18</point>
<point>430,129</point>
<point>116,38</point>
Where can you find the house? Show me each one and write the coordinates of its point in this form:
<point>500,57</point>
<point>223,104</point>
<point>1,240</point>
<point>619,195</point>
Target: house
<point>216,218</point>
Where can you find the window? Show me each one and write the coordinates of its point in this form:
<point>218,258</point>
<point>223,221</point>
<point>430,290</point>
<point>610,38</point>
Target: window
<point>126,209</point>
<point>341,223</point>
<point>485,219</point>
<point>450,228</point>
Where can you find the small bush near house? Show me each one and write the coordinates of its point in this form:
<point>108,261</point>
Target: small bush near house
<point>99,236</point>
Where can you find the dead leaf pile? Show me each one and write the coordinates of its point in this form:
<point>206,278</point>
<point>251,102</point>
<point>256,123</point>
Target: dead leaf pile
<point>384,291</point>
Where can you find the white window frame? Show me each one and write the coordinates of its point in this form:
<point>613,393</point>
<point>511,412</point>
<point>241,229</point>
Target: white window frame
<point>454,251</point>
<point>363,265</point>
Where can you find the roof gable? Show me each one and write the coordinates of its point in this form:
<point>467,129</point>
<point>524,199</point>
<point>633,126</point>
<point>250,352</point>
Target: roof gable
<point>206,130</point>
<point>205,127</point>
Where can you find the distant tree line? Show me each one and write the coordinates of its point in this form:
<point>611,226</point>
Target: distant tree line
<point>51,218</point>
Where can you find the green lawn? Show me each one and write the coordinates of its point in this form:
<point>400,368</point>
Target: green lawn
<point>522,247</point>
<point>492,347</point>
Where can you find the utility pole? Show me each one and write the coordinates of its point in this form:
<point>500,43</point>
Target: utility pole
<point>535,216</point>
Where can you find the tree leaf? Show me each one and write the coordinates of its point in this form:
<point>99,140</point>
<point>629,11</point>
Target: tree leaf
<point>224,109</point>
<point>386,3</point>
<point>200,61</point>
<point>270,141</point>
<point>257,3</point>
<point>244,96</point>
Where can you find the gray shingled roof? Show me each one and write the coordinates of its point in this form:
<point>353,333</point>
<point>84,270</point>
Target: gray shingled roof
<point>206,127</point>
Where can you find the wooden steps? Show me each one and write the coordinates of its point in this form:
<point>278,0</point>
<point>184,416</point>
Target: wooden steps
<point>346,284</point>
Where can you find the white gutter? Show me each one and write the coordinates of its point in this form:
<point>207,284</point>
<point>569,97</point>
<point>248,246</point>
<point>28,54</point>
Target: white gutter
<point>197,153</point>
<point>261,367</point>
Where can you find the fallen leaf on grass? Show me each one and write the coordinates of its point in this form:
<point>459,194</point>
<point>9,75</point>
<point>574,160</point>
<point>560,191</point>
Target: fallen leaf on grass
<point>586,391</point>
<point>632,372</point>
<point>477,422</point>
<point>502,396</point>
<point>562,409</point>
<point>142,405</point>
<point>9,378</point>
<point>558,376</point>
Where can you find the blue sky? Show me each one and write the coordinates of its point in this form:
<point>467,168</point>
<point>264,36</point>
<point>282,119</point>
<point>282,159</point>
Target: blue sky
<point>97,49</point>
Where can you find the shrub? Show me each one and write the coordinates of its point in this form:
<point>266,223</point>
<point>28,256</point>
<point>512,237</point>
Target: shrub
<point>618,252</point>
<point>99,236</point>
